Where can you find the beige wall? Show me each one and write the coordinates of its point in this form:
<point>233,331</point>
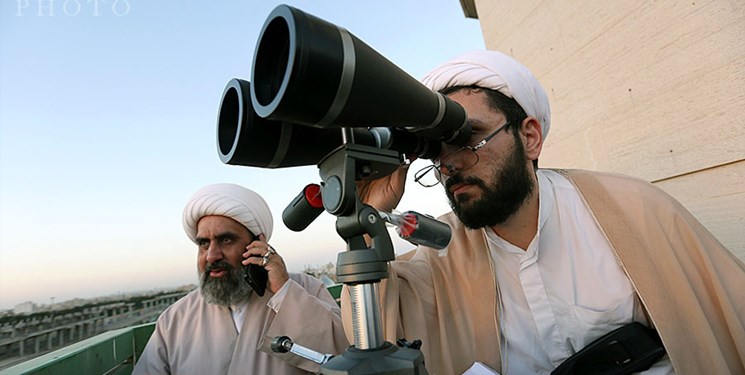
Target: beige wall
<point>654,89</point>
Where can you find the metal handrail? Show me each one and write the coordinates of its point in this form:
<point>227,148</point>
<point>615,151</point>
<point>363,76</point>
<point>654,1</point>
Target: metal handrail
<point>109,353</point>
<point>113,352</point>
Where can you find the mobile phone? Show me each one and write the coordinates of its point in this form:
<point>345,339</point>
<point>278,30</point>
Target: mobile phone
<point>256,277</point>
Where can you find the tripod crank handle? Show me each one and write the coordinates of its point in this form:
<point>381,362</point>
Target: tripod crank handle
<point>283,344</point>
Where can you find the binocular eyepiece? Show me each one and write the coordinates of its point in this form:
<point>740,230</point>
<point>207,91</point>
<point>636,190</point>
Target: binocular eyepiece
<point>310,78</point>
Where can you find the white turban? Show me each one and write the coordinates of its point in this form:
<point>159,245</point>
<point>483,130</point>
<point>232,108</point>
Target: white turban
<point>497,71</point>
<point>230,200</point>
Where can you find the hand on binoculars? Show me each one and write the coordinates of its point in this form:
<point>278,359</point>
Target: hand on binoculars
<point>385,193</point>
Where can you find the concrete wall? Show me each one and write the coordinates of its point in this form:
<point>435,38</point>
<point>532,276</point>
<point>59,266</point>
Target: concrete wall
<point>653,89</point>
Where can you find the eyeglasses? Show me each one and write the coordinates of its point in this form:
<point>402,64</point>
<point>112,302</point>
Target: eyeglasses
<point>466,154</point>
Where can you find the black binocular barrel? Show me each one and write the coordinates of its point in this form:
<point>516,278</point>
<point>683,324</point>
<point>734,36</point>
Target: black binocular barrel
<point>312,72</point>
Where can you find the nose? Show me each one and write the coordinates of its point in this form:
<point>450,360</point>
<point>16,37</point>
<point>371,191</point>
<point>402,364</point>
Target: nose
<point>214,253</point>
<point>446,168</point>
<point>451,163</point>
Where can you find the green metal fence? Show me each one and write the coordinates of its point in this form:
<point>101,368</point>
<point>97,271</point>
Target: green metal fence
<point>111,353</point>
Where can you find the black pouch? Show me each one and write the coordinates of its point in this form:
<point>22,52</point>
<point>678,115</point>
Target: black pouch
<point>631,348</point>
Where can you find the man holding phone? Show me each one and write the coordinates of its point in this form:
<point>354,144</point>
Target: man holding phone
<point>246,297</point>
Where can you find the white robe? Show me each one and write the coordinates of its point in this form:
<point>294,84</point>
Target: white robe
<point>194,337</point>
<point>689,284</point>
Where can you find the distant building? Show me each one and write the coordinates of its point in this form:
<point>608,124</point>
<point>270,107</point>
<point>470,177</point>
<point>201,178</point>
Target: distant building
<point>27,307</point>
<point>326,273</point>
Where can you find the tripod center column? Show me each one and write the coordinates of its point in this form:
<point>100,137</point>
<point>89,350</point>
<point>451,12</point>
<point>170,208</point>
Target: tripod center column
<point>368,331</point>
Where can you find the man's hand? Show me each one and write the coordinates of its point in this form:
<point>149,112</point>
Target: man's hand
<point>385,193</point>
<point>260,253</point>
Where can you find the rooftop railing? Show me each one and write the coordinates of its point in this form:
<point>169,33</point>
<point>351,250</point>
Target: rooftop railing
<point>114,352</point>
<point>110,353</point>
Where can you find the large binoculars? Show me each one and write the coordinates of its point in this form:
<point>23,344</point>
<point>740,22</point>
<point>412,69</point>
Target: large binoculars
<point>310,78</point>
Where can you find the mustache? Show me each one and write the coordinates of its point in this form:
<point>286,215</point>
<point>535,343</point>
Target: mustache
<point>219,265</point>
<point>460,179</point>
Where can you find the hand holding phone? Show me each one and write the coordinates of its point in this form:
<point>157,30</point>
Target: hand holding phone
<point>270,273</point>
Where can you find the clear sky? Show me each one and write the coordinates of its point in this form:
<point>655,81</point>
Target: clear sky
<point>107,125</point>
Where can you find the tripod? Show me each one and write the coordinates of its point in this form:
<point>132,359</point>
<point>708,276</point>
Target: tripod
<point>361,267</point>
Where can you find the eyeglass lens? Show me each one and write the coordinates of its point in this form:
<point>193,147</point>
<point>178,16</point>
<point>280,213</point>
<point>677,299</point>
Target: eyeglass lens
<point>460,159</point>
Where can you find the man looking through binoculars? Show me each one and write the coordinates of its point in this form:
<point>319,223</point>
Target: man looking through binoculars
<point>543,262</point>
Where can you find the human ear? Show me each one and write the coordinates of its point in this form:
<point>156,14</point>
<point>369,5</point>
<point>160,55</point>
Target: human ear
<point>532,137</point>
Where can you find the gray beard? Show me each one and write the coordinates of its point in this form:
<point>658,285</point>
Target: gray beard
<point>230,289</point>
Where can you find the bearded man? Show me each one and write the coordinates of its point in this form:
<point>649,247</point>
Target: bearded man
<point>545,262</point>
<point>225,327</point>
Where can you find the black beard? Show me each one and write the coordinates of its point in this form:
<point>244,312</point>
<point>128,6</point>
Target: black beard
<point>227,290</point>
<point>510,187</point>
